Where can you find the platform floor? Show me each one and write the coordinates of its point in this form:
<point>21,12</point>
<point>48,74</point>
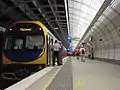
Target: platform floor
<point>89,75</point>
<point>75,75</point>
<point>63,79</point>
<point>95,75</point>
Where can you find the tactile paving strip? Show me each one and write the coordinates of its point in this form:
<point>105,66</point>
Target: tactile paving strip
<point>63,80</point>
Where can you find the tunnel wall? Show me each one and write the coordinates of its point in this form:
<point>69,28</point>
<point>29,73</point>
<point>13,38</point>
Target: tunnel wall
<point>106,34</point>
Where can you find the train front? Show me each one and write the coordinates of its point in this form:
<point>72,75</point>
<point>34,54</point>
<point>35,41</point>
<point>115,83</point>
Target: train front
<point>24,47</point>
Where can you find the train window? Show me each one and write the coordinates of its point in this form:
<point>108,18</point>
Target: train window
<point>18,44</point>
<point>13,43</point>
<point>34,42</point>
<point>8,44</point>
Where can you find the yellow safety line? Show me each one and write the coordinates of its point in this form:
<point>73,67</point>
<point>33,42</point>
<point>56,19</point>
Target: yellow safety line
<point>51,79</point>
<point>79,82</point>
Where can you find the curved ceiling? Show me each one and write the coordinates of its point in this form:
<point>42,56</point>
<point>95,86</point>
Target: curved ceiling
<point>81,14</point>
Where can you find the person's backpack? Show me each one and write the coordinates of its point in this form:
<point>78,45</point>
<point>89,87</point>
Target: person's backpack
<point>82,51</point>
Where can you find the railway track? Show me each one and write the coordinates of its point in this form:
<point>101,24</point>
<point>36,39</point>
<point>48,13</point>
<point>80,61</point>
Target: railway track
<point>6,83</point>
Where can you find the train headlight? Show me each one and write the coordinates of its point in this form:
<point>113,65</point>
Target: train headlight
<point>40,29</point>
<point>10,29</point>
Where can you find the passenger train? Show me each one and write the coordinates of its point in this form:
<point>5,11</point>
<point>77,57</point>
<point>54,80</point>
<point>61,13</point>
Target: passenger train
<point>27,48</point>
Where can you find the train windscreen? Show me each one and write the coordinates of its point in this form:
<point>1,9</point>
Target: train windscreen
<point>24,36</point>
<point>34,42</point>
<point>31,42</point>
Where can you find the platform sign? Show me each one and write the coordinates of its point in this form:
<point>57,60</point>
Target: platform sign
<point>69,38</point>
<point>76,39</point>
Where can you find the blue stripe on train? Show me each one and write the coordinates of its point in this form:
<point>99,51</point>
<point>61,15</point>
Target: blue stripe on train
<point>22,56</point>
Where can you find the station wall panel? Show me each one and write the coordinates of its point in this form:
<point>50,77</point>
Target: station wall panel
<point>107,28</point>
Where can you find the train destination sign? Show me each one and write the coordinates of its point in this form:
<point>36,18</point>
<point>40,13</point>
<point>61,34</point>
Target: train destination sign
<point>25,29</point>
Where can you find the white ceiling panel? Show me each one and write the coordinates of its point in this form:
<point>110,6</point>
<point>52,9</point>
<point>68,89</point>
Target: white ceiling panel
<point>81,14</point>
<point>71,3</point>
<point>84,8</point>
<point>70,16</point>
<point>87,2</point>
<point>88,17</point>
<point>92,12</point>
<point>70,10</point>
<point>78,1</point>
<point>76,12</point>
<point>96,4</point>
<point>77,5</point>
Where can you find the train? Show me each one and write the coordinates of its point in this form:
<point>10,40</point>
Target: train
<point>26,49</point>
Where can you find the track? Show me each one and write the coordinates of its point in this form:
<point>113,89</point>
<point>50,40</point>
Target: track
<point>6,83</point>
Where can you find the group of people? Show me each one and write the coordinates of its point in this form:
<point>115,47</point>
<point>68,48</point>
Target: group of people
<point>80,51</point>
<point>57,48</point>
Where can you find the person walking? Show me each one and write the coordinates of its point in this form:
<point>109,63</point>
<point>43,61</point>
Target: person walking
<point>77,53</point>
<point>56,49</point>
<point>82,50</point>
<point>92,53</point>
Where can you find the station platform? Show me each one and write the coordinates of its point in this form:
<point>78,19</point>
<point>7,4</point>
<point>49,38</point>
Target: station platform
<point>73,75</point>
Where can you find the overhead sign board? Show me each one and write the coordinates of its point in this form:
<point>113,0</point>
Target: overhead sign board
<point>69,39</point>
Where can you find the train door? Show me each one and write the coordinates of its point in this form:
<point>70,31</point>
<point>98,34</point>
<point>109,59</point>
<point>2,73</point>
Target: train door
<point>1,43</point>
<point>49,50</point>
